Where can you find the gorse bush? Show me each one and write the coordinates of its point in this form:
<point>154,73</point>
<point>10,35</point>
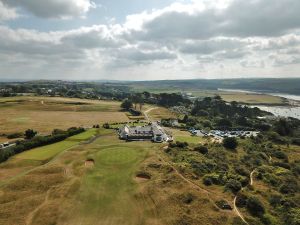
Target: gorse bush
<point>230,143</point>
<point>202,149</point>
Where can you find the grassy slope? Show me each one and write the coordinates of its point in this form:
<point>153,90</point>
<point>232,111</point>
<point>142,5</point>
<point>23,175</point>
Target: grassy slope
<point>67,192</point>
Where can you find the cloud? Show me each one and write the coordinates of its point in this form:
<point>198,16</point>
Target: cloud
<point>181,39</point>
<point>99,36</point>
<point>53,8</point>
<point>253,18</point>
<point>210,46</point>
<point>7,13</point>
<point>136,55</point>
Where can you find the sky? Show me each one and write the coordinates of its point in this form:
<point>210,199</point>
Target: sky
<point>149,39</point>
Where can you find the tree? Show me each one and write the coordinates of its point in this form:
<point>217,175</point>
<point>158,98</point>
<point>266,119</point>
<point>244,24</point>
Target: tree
<point>230,142</point>
<point>254,206</point>
<point>224,123</point>
<point>283,127</point>
<point>126,104</point>
<point>29,134</point>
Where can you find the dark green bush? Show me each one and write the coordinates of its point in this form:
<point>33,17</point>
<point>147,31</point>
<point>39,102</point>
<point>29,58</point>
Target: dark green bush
<point>14,135</point>
<point>290,186</point>
<point>254,206</point>
<point>201,149</point>
<point>233,185</point>
<point>230,143</point>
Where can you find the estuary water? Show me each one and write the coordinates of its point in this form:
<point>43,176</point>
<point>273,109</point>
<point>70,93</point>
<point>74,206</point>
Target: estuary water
<point>283,111</point>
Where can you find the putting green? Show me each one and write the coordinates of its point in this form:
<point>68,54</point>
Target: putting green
<point>107,190</point>
<point>117,156</point>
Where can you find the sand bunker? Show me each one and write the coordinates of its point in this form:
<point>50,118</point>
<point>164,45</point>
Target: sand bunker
<point>141,177</point>
<point>89,163</point>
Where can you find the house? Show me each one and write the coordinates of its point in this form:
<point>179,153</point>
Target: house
<point>151,132</point>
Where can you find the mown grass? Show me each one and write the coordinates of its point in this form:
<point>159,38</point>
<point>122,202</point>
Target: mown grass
<point>107,190</point>
<point>83,136</point>
<point>46,152</point>
<point>49,151</point>
<point>189,139</point>
<point>185,136</point>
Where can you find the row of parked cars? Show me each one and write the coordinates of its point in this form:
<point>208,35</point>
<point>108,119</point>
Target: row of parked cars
<point>223,134</point>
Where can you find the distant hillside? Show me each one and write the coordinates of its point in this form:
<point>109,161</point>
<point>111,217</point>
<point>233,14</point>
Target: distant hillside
<point>288,85</point>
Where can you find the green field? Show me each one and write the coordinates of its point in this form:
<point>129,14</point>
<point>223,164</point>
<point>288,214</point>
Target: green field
<point>49,151</point>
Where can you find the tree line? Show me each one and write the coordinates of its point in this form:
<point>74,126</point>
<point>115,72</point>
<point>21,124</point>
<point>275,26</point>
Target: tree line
<point>33,141</point>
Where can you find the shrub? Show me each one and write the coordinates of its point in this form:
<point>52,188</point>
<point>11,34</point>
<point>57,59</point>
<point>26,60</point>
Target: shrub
<point>241,200</point>
<point>275,200</point>
<point>14,135</point>
<point>204,167</point>
<point>106,126</point>
<point>271,179</point>
<point>255,207</point>
<point>230,143</point>
<point>296,141</point>
<point>233,185</point>
<point>294,217</point>
<point>269,219</point>
<point>296,169</point>
<point>202,149</point>
<point>187,198</point>
<point>207,181</point>
<point>280,155</point>
<point>180,144</point>
<point>223,204</point>
<point>241,170</point>
<point>172,145</point>
<point>283,165</point>
<point>289,186</point>
<point>215,178</point>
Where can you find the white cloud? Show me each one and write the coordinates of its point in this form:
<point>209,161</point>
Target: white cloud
<point>54,8</point>
<point>203,37</point>
<point>239,19</point>
<point>7,13</point>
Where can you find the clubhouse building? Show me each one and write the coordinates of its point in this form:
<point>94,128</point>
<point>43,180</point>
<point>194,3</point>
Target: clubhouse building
<point>151,132</point>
